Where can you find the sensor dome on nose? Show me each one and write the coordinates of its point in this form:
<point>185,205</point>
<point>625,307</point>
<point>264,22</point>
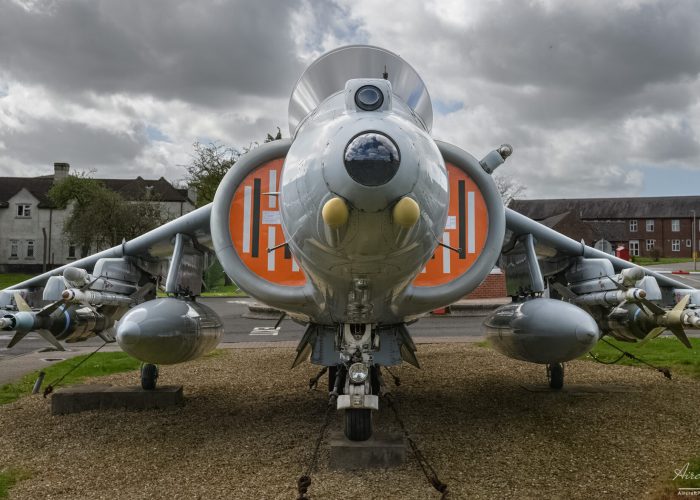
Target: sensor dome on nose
<point>372,158</point>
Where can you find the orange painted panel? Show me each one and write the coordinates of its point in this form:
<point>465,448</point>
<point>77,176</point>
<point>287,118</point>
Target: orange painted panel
<point>255,225</point>
<point>466,229</point>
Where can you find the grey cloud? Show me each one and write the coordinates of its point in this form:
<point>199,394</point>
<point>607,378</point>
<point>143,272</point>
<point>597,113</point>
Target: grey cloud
<point>201,52</point>
<point>677,144</point>
<point>81,146</point>
<point>602,49</point>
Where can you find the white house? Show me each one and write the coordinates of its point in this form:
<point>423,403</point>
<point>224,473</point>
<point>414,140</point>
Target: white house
<point>31,229</point>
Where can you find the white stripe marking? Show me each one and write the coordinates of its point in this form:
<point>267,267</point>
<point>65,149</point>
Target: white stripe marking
<point>295,266</point>
<point>265,330</point>
<point>270,244</point>
<point>247,195</point>
<point>471,225</point>
<point>446,253</point>
<point>424,270</point>
<point>272,200</point>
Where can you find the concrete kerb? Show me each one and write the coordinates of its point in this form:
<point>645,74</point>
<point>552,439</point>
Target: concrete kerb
<point>465,307</point>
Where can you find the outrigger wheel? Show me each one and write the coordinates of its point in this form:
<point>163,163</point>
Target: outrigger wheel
<point>149,376</point>
<point>555,375</point>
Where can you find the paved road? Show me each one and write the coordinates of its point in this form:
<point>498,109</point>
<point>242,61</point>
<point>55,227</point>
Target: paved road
<point>238,329</point>
<point>691,279</point>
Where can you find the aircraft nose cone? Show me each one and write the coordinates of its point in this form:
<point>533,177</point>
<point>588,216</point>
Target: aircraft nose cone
<point>372,159</point>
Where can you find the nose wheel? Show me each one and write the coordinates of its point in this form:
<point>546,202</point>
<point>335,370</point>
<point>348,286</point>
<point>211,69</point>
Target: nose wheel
<point>149,377</point>
<point>555,375</point>
<point>358,424</point>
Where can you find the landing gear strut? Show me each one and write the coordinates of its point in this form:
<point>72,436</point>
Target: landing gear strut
<point>149,376</point>
<point>555,375</point>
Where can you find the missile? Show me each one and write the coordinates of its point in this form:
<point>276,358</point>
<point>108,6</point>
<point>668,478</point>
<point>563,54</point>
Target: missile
<point>542,331</point>
<point>45,322</point>
<point>168,331</point>
<point>76,296</point>
<point>611,298</point>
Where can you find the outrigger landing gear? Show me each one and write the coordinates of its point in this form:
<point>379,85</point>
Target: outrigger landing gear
<point>555,375</point>
<point>149,376</point>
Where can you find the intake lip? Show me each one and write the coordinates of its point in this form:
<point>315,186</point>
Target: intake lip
<point>372,158</point>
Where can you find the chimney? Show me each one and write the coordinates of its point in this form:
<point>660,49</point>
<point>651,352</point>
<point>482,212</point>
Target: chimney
<point>60,171</point>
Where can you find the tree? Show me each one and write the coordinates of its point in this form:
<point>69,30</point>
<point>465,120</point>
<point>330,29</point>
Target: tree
<point>99,217</point>
<point>210,163</point>
<point>508,188</point>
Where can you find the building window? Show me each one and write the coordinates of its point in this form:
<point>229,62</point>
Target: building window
<point>30,249</point>
<point>14,249</point>
<point>675,245</point>
<point>24,210</point>
<point>650,225</point>
<point>634,248</point>
<point>651,244</point>
<point>71,250</point>
<point>688,243</point>
<point>675,225</point>
<point>633,225</point>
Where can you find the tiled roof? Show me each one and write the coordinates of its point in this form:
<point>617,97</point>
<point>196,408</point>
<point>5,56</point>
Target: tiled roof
<point>130,189</point>
<point>610,208</point>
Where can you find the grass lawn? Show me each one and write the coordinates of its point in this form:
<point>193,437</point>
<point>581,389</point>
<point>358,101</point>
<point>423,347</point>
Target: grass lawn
<point>12,279</point>
<point>224,291</point>
<point>8,478</point>
<point>663,351</point>
<point>101,363</point>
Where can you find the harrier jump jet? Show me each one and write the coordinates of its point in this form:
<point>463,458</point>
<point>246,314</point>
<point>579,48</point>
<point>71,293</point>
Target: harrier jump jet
<point>356,226</point>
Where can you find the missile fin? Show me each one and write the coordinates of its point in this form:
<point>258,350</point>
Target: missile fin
<point>680,335</point>
<point>651,307</point>
<point>16,338</point>
<point>48,336</point>
<point>21,303</point>
<point>46,311</point>
<point>653,334</point>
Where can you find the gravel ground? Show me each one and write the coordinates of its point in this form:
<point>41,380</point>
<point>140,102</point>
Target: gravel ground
<point>249,424</point>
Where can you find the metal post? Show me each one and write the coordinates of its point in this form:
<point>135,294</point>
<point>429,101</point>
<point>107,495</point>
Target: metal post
<point>695,259</point>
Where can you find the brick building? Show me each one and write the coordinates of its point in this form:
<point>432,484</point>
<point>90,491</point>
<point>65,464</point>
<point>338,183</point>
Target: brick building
<point>31,228</point>
<point>651,227</point>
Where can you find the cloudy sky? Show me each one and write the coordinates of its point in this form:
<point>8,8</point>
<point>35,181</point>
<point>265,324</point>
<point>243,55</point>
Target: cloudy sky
<point>598,98</point>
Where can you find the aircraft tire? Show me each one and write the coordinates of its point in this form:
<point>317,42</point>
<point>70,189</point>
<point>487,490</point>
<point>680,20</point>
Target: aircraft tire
<point>358,424</point>
<point>555,374</point>
<point>149,377</point>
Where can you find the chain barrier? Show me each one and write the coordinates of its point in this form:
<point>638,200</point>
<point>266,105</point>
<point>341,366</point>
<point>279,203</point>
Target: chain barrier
<point>304,481</point>
<point>662,369</point>
<point>425,466</point>
<point>49,388</point>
